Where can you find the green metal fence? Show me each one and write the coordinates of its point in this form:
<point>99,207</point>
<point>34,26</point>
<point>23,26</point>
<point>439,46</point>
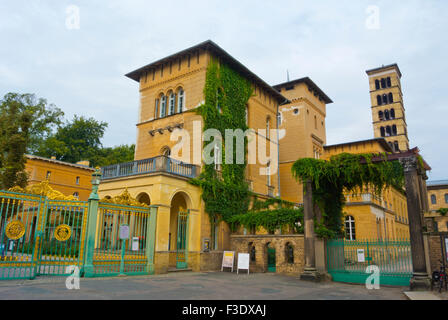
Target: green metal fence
<point>113,256</point>
<point>347,261</point>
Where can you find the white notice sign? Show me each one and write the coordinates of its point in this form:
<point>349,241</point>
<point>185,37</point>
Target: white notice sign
<point>243,262</point>
<point>124,232</point>
<point>227,260</point>
<point>361,256</point>
<point>135,244</point>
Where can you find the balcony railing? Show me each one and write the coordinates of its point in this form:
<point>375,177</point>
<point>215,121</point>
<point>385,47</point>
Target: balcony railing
<point>152,165</point>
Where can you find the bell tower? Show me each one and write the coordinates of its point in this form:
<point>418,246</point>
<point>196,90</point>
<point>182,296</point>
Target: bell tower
<point>388,113</point>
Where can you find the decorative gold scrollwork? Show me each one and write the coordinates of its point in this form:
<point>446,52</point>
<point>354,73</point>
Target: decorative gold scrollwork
<point>15,230</point>
<point>62,232</point>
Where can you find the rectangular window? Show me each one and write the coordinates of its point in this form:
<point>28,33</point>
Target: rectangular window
<point>156,112</point>
<point>48,175</point>
<point>77,180</point>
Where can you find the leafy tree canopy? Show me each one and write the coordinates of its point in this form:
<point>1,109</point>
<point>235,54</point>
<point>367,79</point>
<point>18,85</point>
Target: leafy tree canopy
<point>25,121</point>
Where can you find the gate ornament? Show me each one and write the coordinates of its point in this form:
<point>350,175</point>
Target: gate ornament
<point>15,230</point>
<point>62,232</point>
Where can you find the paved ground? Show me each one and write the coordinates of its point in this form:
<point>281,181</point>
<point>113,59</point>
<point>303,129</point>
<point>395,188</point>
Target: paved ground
<point>194,286</point>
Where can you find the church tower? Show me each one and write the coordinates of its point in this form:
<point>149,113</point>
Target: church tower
<point>388,113</point>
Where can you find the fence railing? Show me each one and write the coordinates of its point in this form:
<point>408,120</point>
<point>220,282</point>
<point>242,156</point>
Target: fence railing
<point>151,165</point>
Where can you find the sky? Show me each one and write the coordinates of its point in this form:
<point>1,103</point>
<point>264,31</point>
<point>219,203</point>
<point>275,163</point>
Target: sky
<point>79,64</point>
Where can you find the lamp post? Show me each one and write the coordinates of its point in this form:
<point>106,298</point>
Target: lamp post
<point>96,180</point>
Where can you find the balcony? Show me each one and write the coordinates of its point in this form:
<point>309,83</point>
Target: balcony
<point>158,164</point>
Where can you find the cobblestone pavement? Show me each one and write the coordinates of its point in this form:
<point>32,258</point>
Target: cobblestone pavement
<point>193,286</point>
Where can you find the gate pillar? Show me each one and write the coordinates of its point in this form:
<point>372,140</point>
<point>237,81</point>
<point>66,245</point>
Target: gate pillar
<point>151,238</point>
<point>92,217</point>
<point>310,271</point>
<point>420,279</point>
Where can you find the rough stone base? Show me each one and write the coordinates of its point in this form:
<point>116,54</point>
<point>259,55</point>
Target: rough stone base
<point>311,275</point>
<point>420,283</point>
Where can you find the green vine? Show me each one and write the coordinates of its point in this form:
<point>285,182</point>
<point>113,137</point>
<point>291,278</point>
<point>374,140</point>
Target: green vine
<point>226,96</point>
<point>345,173</point>
<point>442,211</point>
<point>272,214</point>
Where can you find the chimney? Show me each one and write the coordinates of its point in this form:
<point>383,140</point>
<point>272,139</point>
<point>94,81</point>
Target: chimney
<point>84,163</point>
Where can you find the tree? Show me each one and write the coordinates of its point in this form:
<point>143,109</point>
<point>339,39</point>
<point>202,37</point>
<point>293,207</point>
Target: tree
<point>119,154</point>
<point>77,140</point>
<point>25,121</point>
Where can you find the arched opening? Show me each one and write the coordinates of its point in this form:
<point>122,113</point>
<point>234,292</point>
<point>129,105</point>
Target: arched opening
<point>394,130</point>
<point>271,261</point>
<point>391,98</point>
<point>178,231</point>
<point>377,84</point>
<point>388,131</point>
<point>165,151</point>
<point>383,132</point>
<point>392,113</point>
<point>381,115</point>
<point>389,83</point>
<point>162,105</point>
<point>384,98</point>
<point>396,146</point>
<point>252,252</point>
<point>383,83</point>
<point>144,198</point>
<point>386,114</point>
<point>379,100</point>
<point>433,199</point>
<point>289,253</point>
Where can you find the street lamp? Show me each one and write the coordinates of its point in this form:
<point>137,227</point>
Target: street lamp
<point>96,180</point>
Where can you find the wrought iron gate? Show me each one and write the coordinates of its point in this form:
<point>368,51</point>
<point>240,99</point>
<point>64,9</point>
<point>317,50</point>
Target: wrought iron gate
<point>40,236</point>
<point>182,240</point>
<point>347,261</point>
<point>113,256</point>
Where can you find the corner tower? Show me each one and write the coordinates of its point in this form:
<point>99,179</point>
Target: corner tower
<point>388,112</point>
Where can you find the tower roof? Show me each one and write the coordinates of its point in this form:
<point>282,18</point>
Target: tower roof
<point>309,83</point>
<point>390,66</point>
<point>217,51</point>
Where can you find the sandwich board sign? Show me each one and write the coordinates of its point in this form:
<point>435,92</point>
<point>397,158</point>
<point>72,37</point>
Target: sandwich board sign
<point>227,260</point>
<point>243,262</point>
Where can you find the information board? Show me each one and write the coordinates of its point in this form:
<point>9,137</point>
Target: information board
<point>361,255</point>
<point>124,232</point>
<point>135,244</point>
<point>243,262</point>
<point>227,260</point>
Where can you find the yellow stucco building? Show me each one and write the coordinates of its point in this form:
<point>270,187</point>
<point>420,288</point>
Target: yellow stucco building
<point>68,178</point>
<point>368,216</point>
<point>438,199</point>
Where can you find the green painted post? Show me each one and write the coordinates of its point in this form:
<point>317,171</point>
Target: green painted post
<point>123,249</point>
<point>151,238</point>
<point>187,233</point>
<point>94,199</point>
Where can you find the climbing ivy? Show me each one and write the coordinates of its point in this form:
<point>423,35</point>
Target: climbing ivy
<point>272,214</point>
<point>442,211</point>
<point>226,96</point>
<point>350,173</point>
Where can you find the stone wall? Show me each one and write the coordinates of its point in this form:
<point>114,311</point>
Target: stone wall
<point>436,253</point>
<point>243,243</point>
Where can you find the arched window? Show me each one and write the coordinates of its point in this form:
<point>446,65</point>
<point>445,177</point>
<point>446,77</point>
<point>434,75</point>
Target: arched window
<point>180,100</point>
<point>162,106</point>
<point>388,131</point>
<point>279,119</point>
<point>350,228</point>
<point>377,84</point>
<point>315,122</point>
<point>383,133</point>
<point>392,113</point>
<point>383,83</point>
<point>446,197</point>
<point>379,100</point>
<point>156,109</point>
<point>384,98</point>
<point>389,83</point>
<point>394,130</point>
<point>386,114</point>
<point>172,105</point>
<point>433,199</point>
<point>252,252</point>
<point>396,146</point>
<point>381,115</point>
<point>289,253</point>
<point>391,97</point>
<point>166,151</point>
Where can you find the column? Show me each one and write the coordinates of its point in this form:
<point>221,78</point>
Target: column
<point>420,279</point>
<point>310,272</point>
<point>151,238</point>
